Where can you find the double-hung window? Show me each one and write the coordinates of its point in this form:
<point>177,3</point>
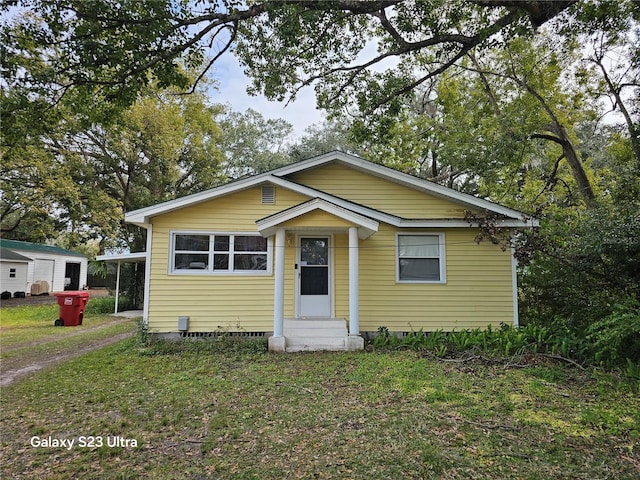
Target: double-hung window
<point>221,253</point>
<point>420,258</point>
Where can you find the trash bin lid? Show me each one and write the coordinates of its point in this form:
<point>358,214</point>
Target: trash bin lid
<point>72,294</point>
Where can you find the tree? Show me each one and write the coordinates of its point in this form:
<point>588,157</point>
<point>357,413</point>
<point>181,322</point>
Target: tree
<point>251,143</point>
<point>331,134</point>
<point>619,67</point>
<point>112,50</point>
<point>549,104</point>
<point>86,175</point>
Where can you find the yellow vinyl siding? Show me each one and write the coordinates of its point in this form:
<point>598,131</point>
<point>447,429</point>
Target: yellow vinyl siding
<point>227,302</point>
<point>375,192</point>
<point>341,275</point>
<point>477,291</point>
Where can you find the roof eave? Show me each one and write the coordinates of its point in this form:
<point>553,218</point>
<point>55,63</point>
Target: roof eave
<point>366,226</point>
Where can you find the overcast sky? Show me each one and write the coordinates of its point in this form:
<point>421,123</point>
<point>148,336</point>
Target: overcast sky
<point>232,85</point>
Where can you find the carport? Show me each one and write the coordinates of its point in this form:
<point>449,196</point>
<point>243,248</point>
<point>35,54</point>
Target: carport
<point>119,259</point>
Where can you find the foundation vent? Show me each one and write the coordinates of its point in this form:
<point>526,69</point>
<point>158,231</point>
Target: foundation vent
<point>186,334</point>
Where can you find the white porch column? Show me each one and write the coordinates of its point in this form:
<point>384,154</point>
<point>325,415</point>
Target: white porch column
<point>147,276</point>
<point>354,276</point>
<point>117,287</point>
<point>514,286</point>
<point>278,295</point>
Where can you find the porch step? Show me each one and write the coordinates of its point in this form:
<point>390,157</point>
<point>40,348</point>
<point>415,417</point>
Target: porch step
<point>310,335</point>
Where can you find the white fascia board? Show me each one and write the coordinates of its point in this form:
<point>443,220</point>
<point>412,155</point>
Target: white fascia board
<point>142,216</point>
<point>433,188</point>
<point>401,178</point>
<point>124,257</point>
<point>457,223</point>
<point>366,226</point>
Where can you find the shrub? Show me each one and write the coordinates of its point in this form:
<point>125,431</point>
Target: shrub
<point>100,305</point>
<point>615,340</point>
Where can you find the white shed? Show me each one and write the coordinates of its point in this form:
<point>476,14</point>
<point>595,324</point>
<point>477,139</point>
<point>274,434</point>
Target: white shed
<point>13,271</point>
<point>62,269</point>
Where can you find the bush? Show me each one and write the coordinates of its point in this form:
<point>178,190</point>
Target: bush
<point>582,267</point>
<point>100,305</point>
<point>615,340</point>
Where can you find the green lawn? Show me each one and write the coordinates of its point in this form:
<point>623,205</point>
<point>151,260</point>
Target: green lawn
<point>20,325</point>
<point>205,413</point>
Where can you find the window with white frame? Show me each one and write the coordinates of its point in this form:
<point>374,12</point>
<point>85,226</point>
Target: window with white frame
<point>219,253</point>
<point>420,258</point>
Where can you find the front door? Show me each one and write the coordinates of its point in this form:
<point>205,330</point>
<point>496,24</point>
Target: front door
<point>314,286</point>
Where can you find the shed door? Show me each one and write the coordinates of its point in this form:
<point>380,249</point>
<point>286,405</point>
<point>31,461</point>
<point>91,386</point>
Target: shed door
<point>314,290</point>
<point>72,276</point>
<point>43,270</point>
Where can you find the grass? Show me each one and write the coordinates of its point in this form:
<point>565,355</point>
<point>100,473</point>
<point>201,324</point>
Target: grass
<point>59,343</point>
<point>202,412</point>
<point>33,323</point>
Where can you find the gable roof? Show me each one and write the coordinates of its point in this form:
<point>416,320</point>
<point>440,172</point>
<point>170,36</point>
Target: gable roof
<point>512,218</point>
<point>37,247</point>
<point>367,227</point>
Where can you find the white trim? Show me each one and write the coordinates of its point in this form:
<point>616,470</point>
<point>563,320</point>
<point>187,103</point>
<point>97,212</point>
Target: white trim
<point>354,282</point>
<point>268,225</point>
<point>460,223</point>
<point>278,290</point>
<point>337,201</point>
<point>441,256</point>
<point>514,286</point>
<point>147,277</point>
<point>517,219</point>
<point>124,257</point>
<point>143,215</point>
<point>171,270</point>
<point>399,177</point>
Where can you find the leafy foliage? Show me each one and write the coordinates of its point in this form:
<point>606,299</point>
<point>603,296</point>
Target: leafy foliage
<point>616,338</point>
<point>503,342</point>
<point>583,266</point>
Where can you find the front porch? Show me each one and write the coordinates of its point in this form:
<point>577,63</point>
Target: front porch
<point>311,230</point>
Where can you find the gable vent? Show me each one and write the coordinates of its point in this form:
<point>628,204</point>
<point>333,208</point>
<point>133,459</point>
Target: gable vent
<point>268,194</point>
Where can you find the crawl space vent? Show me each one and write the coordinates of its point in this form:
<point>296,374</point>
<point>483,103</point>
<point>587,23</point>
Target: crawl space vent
<point>268,194</point>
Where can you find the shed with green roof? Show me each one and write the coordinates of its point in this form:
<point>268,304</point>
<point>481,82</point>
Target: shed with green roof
<point>26,265</point>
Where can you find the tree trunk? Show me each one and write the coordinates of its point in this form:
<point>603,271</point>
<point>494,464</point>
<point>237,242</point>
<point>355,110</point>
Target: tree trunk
<point>579,174</point>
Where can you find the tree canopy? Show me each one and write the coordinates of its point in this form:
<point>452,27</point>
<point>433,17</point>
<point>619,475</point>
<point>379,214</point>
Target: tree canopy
<point>114,49</point>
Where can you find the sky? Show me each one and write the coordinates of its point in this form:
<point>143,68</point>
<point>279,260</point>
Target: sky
<point>232,85</point>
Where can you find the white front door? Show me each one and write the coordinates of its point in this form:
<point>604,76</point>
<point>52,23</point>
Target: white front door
<point>314,270</point>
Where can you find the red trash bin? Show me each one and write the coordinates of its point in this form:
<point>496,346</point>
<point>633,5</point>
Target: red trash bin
<point>71,308</point>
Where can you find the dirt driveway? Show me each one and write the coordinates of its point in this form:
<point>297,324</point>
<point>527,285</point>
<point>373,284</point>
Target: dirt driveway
<point>32,363</point>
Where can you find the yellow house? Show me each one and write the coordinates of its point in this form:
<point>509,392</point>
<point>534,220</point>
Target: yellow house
<point>319,252</point>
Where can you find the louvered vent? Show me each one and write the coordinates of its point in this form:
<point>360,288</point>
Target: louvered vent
<point>268,194</point>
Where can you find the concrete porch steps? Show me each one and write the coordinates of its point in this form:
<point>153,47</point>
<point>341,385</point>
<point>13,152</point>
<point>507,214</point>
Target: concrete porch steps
<point>318,334</point>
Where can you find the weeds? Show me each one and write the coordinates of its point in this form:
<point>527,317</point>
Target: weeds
<point>556,342</point>
<point>506,341</point>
